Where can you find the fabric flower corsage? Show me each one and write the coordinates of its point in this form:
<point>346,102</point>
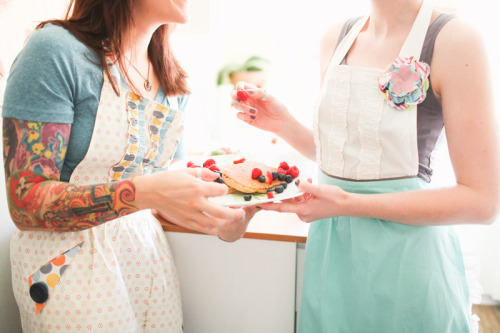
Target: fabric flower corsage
<point>405,82</point>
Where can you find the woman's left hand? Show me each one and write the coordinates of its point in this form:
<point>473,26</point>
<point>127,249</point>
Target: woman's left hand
<point>233,231</point>
<point>317,202</point>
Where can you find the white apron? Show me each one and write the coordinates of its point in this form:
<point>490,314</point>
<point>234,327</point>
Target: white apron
<point>118,276</point>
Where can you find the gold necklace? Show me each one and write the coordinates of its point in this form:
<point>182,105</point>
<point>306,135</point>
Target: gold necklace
<point>147,84</point>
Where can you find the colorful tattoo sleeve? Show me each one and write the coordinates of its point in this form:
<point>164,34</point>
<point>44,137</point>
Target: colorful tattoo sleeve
<point>34,153</point>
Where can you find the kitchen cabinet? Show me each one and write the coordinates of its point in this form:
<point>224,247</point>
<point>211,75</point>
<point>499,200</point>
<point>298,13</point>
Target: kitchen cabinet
<point>249,286</point>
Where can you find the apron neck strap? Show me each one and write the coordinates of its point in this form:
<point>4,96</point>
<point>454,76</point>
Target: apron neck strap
<point>412,45</point>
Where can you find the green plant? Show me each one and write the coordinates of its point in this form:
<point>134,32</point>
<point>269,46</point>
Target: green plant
<point>252,64</point>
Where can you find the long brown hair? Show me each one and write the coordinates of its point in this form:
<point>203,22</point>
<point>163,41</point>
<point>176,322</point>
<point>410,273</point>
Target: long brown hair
<point>99,24</point>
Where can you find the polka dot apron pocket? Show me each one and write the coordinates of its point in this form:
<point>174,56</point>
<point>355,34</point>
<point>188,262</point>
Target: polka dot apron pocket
<point>43,282</point>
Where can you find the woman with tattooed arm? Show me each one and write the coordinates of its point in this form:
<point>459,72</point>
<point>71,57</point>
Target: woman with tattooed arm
<point>92,119</point>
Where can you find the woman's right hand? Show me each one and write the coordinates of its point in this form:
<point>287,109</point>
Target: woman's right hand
<point>261,109</point>
<point>182,198</point>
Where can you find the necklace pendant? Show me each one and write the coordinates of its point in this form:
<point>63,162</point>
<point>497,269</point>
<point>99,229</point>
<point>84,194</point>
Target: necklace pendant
<point>147,85</point>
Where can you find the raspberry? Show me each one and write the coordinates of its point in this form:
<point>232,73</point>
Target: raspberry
<point>269,177</point>
<point>213,167</point>
<point>281,171</point>
<point>270,195</point>
<point>256,172</point>
<point>242,95</point>
<point>284,165</point>
<point>241,160</point>
<point>209,162</point>
<point>293,171</point>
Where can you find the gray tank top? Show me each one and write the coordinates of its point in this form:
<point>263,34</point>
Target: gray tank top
<point>430,116</point>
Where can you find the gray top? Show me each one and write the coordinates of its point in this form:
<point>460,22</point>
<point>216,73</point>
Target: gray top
<point>429,112</point>
<point>56,78</point>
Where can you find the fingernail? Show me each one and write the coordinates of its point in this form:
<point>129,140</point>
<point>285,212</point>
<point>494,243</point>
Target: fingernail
<point>253,117</point>
<point>250,91</point>
<point>297,182</point>
<point>252,110</point>
<point>258,207</point>
<point>237,100</point>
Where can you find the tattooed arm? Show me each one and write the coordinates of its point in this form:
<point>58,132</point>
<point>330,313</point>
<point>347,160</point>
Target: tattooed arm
<point>34,153</point>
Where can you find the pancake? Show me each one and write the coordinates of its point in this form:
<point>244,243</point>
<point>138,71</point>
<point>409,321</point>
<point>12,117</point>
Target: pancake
<point>238,177</point>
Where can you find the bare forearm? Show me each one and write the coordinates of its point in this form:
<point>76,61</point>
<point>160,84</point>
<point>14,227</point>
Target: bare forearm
<point>456,205</point>
<point>58,206</point>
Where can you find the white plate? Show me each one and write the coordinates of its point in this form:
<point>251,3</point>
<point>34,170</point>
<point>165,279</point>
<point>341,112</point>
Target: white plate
<point>237,200</point>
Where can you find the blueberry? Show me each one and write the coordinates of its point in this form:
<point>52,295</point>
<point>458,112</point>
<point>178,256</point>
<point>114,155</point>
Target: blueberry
<point>284,184</point>
<point>262,179</point>
<point>279,189</point>
<point>271,189</point>
<point>247,197</point>
<point>275,175</point>
<point>281,176</point>
<point>219,180</point>
<point>289,178</point>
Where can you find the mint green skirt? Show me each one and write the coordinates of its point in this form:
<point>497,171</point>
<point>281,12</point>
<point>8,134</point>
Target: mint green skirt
<point>370,275</point>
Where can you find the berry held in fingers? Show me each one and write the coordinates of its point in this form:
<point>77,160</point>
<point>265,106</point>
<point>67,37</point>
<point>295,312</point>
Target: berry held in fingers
<point>242,95</point>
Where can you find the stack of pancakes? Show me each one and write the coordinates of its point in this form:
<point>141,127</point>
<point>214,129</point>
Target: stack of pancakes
<point>238,177</point>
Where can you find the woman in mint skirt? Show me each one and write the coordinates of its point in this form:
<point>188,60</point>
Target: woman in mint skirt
<point>382,254</point>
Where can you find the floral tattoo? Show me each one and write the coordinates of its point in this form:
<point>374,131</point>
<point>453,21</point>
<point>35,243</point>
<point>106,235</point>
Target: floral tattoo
<point>34,154</point>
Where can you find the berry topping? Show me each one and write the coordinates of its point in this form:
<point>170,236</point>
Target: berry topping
<point>271,189</point>
<point>247,197</point>
<point>284,184</point>
<point>293,171</point>
<point>284,166</point>
<point>279,189</point>
<point>241,160</point>
<point>281,176</point>
<point>190,164</point>
<point>282,171</point>
<point>256,172</point>
<point>209,162</point>
<point>242,95</point>
<point>213,167</point>
<point>288,179</point>
<point>219,180</point>
<point>261,178</point>
<point>270,195</point>
<point>275,175</point>
<point>269,177</point>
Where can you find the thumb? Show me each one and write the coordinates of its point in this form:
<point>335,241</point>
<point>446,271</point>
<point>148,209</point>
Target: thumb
<point>308,187</point>
<point>203,174</point>
<point>255,92</point>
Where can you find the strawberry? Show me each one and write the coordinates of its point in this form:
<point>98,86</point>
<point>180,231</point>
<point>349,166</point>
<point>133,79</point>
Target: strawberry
<point>213,167</point>
<point>269,177</point>
<point>293,171</point>
<point>241,160</point>
<point>270,195</point>
<point>256,172</point>
<point>284,165</point>
<point>209,162</point>
<point>282,171</point>
<point>242,95</point>
<point>190,164</point>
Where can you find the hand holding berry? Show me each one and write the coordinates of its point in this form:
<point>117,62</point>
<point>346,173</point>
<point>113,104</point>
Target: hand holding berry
<point>258,108</point>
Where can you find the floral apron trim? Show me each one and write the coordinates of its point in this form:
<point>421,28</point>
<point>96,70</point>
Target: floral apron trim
<point>405,82</point>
